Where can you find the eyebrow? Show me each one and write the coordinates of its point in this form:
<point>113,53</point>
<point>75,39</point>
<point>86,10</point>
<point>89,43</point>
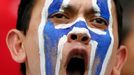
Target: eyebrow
<point>71,8</point>
<point>92,10</point>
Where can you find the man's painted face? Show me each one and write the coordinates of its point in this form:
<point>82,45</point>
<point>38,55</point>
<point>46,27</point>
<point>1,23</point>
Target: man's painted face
<point>75,37</point>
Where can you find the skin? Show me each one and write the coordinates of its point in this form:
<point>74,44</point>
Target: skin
<point>26,49</point>
<point>128,68</point>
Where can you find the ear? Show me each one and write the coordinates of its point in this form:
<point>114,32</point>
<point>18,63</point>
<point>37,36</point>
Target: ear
<point>14,42</point>
<point>120,60</point>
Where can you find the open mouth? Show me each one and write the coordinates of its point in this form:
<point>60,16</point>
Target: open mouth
<point>76,64</point>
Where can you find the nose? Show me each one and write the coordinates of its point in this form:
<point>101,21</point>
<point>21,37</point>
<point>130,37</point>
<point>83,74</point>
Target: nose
<point>79,37</point>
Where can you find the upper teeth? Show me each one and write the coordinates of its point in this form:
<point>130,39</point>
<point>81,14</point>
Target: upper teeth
<point>78,56</point>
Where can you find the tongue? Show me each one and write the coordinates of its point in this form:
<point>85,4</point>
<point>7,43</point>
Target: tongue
<point>75,66</point>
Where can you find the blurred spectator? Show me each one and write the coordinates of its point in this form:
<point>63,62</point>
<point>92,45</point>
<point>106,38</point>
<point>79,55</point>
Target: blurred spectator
<point>128,30</point>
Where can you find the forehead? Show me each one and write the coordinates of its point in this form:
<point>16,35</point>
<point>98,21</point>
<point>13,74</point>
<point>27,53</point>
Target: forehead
<point>75,3</point>
<point>89,4</point>
<point>95,5</point>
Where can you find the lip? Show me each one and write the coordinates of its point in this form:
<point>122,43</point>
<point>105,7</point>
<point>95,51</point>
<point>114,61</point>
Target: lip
<point>78,52</point>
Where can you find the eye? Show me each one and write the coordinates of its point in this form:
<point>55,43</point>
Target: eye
<point>59,16</point>
<point>99,21</point>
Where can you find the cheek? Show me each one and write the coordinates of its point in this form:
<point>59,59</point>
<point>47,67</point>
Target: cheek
<point>31,41</point>
<point>32,51</point>
<point>52,37</point>
<point>103,51</point>
<point>129,43</point>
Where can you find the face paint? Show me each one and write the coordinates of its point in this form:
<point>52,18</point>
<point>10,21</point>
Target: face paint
<point>101,54</point>
<point>52,38</point>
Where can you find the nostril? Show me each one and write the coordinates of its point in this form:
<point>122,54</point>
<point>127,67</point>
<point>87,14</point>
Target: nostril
<point>79,37</point>
<point>84,38</point>
<point>73,36</point>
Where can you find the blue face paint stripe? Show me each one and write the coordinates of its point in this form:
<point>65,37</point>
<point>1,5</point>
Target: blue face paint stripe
<point>47,44</point>
<point>104,10</point>
<point>102,48</point>
<point>52,37</point>
<point>55,6</point>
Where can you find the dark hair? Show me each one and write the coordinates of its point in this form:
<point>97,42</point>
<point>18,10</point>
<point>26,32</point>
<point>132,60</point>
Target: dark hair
<point>119,13</point>
<point>24,15</point>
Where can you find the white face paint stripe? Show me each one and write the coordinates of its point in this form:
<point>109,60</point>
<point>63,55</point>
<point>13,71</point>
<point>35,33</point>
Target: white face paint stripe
<point>61,43</point>
<point>97,31</point>
<point>64,4</point>
<point>44,15</point>
<point>109,53</point>
<point>79,30</point>
<point>92,55</point>
<point>95,6</point>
